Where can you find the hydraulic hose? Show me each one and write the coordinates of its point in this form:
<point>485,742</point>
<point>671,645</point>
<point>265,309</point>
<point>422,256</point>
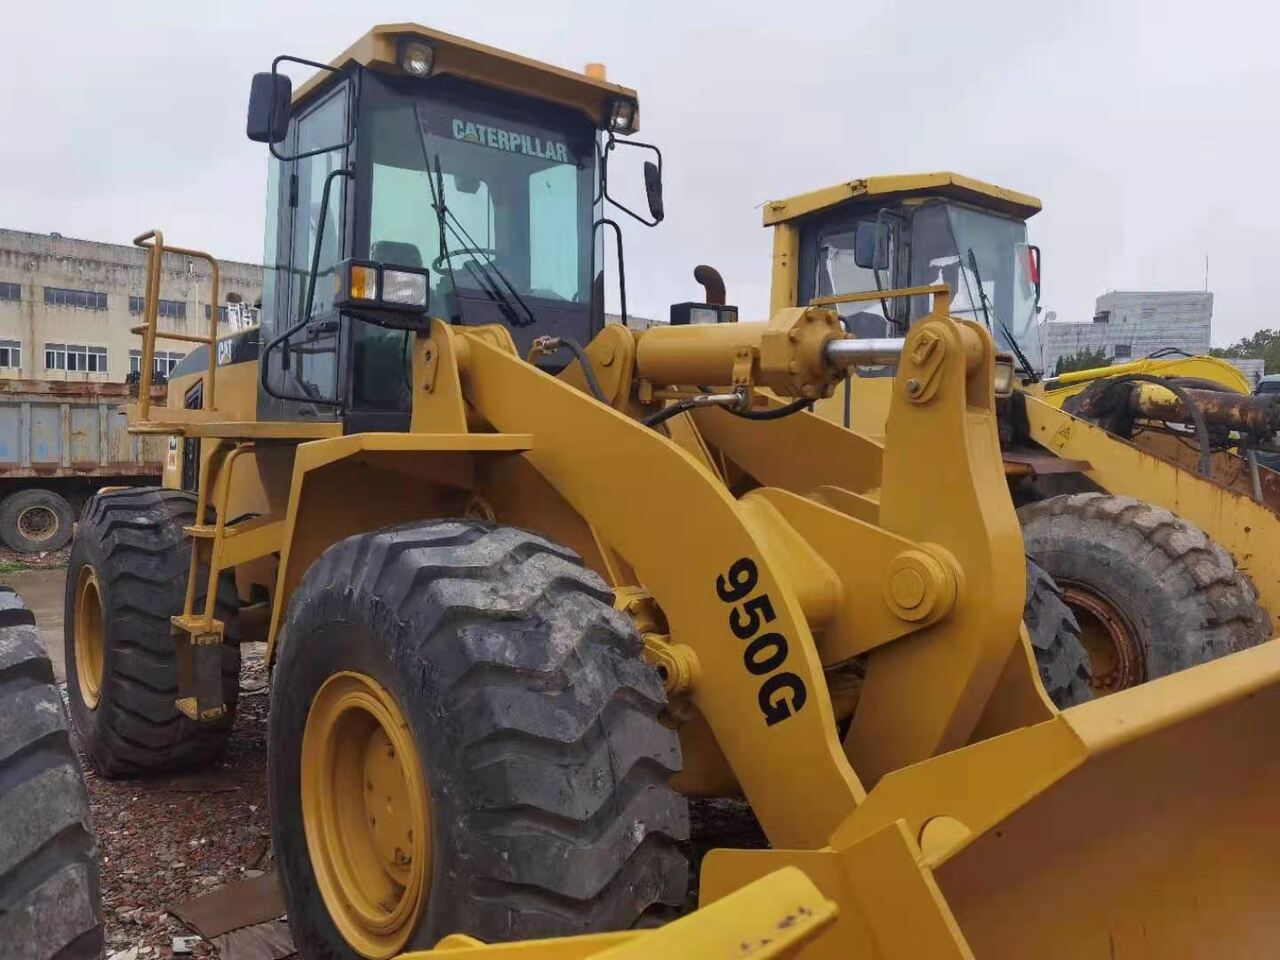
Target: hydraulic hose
<point>552,344</point>
<point>774,413</point>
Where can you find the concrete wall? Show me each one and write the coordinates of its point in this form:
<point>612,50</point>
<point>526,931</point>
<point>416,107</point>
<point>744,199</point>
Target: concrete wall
<point>35,261</point>
<point>1139,323</point>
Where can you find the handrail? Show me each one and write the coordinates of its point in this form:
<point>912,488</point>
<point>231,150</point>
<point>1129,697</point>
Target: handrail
<point>153,241</point>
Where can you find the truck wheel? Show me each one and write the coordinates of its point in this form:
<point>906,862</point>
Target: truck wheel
<point>1153,594</point>
<point>126,577</point>
<point>32,521</point>
<point>50,903</point>
<point>1055,637</point>
<point>464,739</point>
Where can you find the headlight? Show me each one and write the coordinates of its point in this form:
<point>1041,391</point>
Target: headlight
<point>394,296</point>
<point>417,58</point>
<point>699,314</point>
<point>622,116</point>
<point>404,288</point>
<point>1004,375</point>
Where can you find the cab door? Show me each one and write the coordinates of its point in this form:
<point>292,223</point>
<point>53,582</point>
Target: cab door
<point>303,373</point>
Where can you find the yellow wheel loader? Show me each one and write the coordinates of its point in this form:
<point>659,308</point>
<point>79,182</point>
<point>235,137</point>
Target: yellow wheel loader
<point>530,581</point>
<point>1135,504</point>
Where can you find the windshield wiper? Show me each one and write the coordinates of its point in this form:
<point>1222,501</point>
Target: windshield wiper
<point>449,219</point>
<point>491,291</point>
<point>437,204</point>
<point>1032,377</point>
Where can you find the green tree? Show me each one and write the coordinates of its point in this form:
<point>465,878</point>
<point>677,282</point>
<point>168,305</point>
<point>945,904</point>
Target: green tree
<point>1263,345</point>
<point>1086,359</point>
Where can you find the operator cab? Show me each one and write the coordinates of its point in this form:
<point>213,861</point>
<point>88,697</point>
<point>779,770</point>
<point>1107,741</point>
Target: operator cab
<point>422,176</point>
<point>892,233</point>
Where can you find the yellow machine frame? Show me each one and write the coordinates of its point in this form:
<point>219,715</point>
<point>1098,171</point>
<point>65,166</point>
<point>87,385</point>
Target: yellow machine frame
<point>1224,505</point>
<point>961,814</point>
<point>852,568</point>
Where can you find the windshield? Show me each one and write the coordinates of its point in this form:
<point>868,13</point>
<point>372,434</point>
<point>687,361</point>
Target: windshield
<point>493,195</point>
<point>513,187</point>
<point>984,259</point>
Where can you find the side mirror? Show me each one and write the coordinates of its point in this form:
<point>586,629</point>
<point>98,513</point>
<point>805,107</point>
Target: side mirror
<point>871,245</point>
<point>269,97</point>
<point>653,189</point>
<point>1033,257</point>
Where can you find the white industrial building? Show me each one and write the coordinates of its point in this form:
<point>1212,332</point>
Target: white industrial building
<point>66,306</point>
<point>1132,324</point>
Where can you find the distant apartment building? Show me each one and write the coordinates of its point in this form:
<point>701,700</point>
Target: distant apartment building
<point>66,306</point>
<point>1130,325</point>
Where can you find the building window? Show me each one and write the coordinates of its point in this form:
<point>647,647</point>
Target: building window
<point>10,291</point>
<point>1102,316</point>
<point>86,359</point>
<point>1123,351</point>
<point>78,357</point>
<point>162,362</point>
<point>173,309</point>
<point>10,353</point>
<point>88,299</point>
<point>1148,313</point>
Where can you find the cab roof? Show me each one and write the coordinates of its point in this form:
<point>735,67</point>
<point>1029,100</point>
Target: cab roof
<point>952,186</point>
<point>459,57</point>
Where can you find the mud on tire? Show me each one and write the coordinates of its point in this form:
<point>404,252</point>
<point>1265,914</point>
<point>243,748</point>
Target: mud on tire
<point>1179,591</point>
<point>134,542</point>
<point>535,719</point>
<point>50,904</point>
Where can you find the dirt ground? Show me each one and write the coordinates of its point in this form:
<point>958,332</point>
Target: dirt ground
<point>164,840</point>
<point>167,839</point>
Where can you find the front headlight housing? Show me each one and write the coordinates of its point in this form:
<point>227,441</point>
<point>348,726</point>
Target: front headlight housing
<point>407,288</point>
<point>1003,375</point>
<point>391,295</point>
<point>700,314</point>
<point>622,116</point>
<point>417,58</point>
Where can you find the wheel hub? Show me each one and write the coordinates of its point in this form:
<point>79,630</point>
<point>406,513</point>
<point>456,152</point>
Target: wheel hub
<point>38,523</point>
<point>366,813</point>
<point>88,636</point>
<point>1116,658</point>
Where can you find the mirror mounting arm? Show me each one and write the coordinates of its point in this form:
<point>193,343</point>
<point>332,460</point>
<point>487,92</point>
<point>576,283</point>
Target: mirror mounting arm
<point>278,90</point>
<point>652,178</point>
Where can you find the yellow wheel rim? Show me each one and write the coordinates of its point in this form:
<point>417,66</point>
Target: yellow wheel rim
<point>366,813</point>
<point>88,636</point>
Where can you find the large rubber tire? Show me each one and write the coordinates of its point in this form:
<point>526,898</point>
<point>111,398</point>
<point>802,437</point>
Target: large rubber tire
<point>50,900</point>
<point>35,520</point>
<point>535,720</point>
<point>1055,636</point>
<point>133,541</point>
<point>1179,596</point>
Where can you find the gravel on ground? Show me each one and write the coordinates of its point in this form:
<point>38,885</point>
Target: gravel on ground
<point>164,840</point>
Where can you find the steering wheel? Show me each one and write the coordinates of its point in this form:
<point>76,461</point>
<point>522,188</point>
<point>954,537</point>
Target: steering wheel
<point>438,263</point>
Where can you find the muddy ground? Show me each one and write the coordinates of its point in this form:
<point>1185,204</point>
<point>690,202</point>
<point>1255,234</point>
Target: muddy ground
<point>164,840</point>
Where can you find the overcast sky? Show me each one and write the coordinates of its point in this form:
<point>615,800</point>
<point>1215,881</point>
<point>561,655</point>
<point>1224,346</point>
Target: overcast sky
<point>1148,129</point>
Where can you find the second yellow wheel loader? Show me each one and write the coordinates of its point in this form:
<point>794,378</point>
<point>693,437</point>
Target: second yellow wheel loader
<point>530,581</point>
<point>1163,566</point>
